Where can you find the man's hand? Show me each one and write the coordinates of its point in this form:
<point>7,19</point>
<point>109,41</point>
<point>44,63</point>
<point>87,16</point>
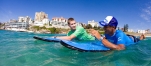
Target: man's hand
<point>95,33</point>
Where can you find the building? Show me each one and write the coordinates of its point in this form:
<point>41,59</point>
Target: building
<point>141,31</point>
<point>93,23</point>
<point>21,25</point>
<point>39,16</point>
<point>44,22</point>
<point>27,19</point>
<point>31,22</point>
<point>130,30</point>
<point>17,26</point>
<point>59,19</point>
<point>24,19</point>
<point>41,24</point>
<point>59,22</point>
<point>41,19</point>
<point>20,19</point>
<point>12,20</point>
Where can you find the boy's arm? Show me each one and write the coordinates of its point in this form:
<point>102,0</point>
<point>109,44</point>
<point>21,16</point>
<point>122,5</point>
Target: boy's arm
<point>66,37</point>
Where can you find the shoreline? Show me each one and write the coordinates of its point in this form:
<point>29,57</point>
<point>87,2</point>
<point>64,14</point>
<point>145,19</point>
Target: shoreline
<point>135,34</point>
<point>138,34</point>
<point>41,32</point>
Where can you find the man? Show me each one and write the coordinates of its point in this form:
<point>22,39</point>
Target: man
<point>114,39</point>
<point>77,32</point>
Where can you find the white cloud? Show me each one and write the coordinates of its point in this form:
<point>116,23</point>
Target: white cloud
<point>5,15</point>
<point>146,12</point>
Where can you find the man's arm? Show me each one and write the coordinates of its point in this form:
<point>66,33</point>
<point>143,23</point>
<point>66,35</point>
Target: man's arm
<point>113,46</point>
<point>77,32</point>
<point>66,37</point>
<point>106,42</point>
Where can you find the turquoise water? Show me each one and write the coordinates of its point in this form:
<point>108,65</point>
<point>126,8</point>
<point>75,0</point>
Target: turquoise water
<point>20,49</point>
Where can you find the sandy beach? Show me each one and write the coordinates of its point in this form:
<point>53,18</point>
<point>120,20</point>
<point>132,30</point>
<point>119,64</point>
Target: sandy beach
<point>138,34</point>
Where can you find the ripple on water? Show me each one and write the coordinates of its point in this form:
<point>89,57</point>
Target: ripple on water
<point>20,49</point>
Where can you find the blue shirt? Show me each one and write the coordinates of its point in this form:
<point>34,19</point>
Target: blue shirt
<point>119,37</point>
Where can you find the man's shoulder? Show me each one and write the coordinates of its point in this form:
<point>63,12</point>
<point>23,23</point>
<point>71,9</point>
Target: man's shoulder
<point>119,32</point>
<point>79,28</point>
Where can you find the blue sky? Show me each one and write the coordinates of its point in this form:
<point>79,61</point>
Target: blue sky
<point>135,13</point>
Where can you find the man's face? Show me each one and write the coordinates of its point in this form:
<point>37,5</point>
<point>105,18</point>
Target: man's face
<point>72,25</point>
<point>108,29</point>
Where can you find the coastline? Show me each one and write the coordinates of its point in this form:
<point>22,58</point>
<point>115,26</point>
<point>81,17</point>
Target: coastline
<point>40,31</point>
<point>138,34</point>
<point>48,32</point>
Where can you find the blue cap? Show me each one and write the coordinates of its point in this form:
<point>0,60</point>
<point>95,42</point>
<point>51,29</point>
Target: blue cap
<point>109,21</point>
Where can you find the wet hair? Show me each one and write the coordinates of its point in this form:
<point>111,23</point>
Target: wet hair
<point>70,19</point>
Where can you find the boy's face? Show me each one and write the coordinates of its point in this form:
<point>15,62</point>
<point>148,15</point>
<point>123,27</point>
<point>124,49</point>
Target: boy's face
<point>72,25</point>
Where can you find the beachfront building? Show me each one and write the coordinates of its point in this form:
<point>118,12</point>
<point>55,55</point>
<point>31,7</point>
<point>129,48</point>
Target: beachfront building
<point>38,24</point>
<point>39,16</point>
<point>24,19</point>
<point>31,22</point>
<point>130,30</point>
<point>59,19</point>
<point>59,22</point>
<point>20,19</point>
<point>141,31</point>
<point>21,25</point>
<point>41,19</point>
<point>12,20</point>
<point>16,26</point>
<point>93,23</point>
<point>44,22</point>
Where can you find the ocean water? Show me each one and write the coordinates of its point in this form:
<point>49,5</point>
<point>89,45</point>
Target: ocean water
<point>20,49</point>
